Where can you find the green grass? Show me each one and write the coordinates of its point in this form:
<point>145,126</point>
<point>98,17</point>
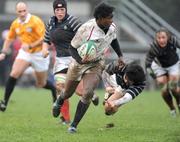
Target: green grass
<point>146,119</point>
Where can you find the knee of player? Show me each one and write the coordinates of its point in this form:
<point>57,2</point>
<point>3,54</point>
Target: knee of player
<point>86,99</point>
<point>163,86</point>
<point>40,84</point>
<point>172,85</point>
<point>16,74</point>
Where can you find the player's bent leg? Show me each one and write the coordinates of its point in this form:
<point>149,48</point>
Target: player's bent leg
<point>41,78</point>
<point>79,89</point>
<point>166,93</point>
<point>174,85</point>
<point>175,91</point>
<point>42,82</point>
<point>65,118</point>
<point>168,99</point>
<point>83,105</point>
<point>18,68</point>
<point>80,111</point>
<point>79,92</point>
<point>60,85</point>
<point>70,88</point>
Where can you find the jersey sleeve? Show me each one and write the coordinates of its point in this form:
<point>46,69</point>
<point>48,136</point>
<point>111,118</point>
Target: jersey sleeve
<point>109,80</point>
<point>111,68</point>
<point>80,37</point>
<point>134,91</point>
<point>175,42</point>
<point>12,32</point>
<point>47,32</point>
<point>39,27</point>
<point>150,56</point>
<point>75,23</point>
<point>115,31</point>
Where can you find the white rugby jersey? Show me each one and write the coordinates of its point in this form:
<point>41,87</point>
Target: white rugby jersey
<point>91,31</point>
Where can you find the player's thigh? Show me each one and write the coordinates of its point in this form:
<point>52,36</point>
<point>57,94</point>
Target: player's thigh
<point>91,81</point>
<point>174,72</point>
<point>39,63</point>
<point>19,67</point>
<point>158,70</point>
<point>162,80</point>
<point>79,89</point>
<point>41,78</point>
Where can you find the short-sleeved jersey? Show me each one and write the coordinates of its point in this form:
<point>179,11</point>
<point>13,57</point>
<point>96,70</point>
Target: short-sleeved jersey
<point>91,31</point>
<point>31,30</point>
<point>61,33</point>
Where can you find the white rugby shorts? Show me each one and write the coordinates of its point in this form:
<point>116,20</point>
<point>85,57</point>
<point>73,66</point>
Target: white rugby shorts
<point>159,71</point>
<point>61,63</point>
<point>37,61</point>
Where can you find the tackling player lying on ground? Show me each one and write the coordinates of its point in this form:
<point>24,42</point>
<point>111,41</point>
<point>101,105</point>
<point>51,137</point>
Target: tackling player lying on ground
<point>162,63</point>
<point>102,31</point>
<point>123,82</point>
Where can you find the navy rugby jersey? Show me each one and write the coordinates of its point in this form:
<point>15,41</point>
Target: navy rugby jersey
<point>164,57</point>
<point>134,89</point>
<point>61,33</point>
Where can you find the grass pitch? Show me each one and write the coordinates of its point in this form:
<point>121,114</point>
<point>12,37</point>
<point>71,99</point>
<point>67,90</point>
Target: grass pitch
<point>146,119</point>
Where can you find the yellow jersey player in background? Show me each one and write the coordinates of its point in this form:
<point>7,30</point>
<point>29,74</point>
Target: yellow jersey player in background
<point>30,30</point>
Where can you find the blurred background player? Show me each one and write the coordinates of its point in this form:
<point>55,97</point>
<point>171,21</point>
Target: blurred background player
<point>102,31</point>
<point>60,30</point>
<point>162,63</point>
<point>30,30</point>
<point>4,69</point>
<point>122,83</point>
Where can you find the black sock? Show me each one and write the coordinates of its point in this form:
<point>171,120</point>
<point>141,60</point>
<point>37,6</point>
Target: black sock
<point>11,82</point>
<point>51,87</point>
<point>80,111</point>
<point>60,100</point>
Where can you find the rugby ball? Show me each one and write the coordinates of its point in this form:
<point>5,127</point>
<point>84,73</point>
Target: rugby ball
<point>87,50</point>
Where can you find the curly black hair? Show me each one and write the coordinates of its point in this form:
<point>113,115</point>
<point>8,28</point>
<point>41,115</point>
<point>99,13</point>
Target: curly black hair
<point>103,10</point>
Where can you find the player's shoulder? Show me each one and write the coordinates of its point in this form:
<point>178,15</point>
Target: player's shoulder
<point>51,20</point>
<point>15,23</point>
<point>173,39</point>
<point>153,45</point>
<point>113,27</point>
<point>89,23</point>
<point>72,17</point>
<point>36,18</point>
<point>87,26</point>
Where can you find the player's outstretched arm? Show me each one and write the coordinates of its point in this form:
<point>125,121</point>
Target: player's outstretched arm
<point>5,49</point>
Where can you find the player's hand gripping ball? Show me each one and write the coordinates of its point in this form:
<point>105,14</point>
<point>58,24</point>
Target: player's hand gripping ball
<point>87,50</point>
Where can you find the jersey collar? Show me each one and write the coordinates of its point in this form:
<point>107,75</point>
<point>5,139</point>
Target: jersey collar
<point>27,19</point>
